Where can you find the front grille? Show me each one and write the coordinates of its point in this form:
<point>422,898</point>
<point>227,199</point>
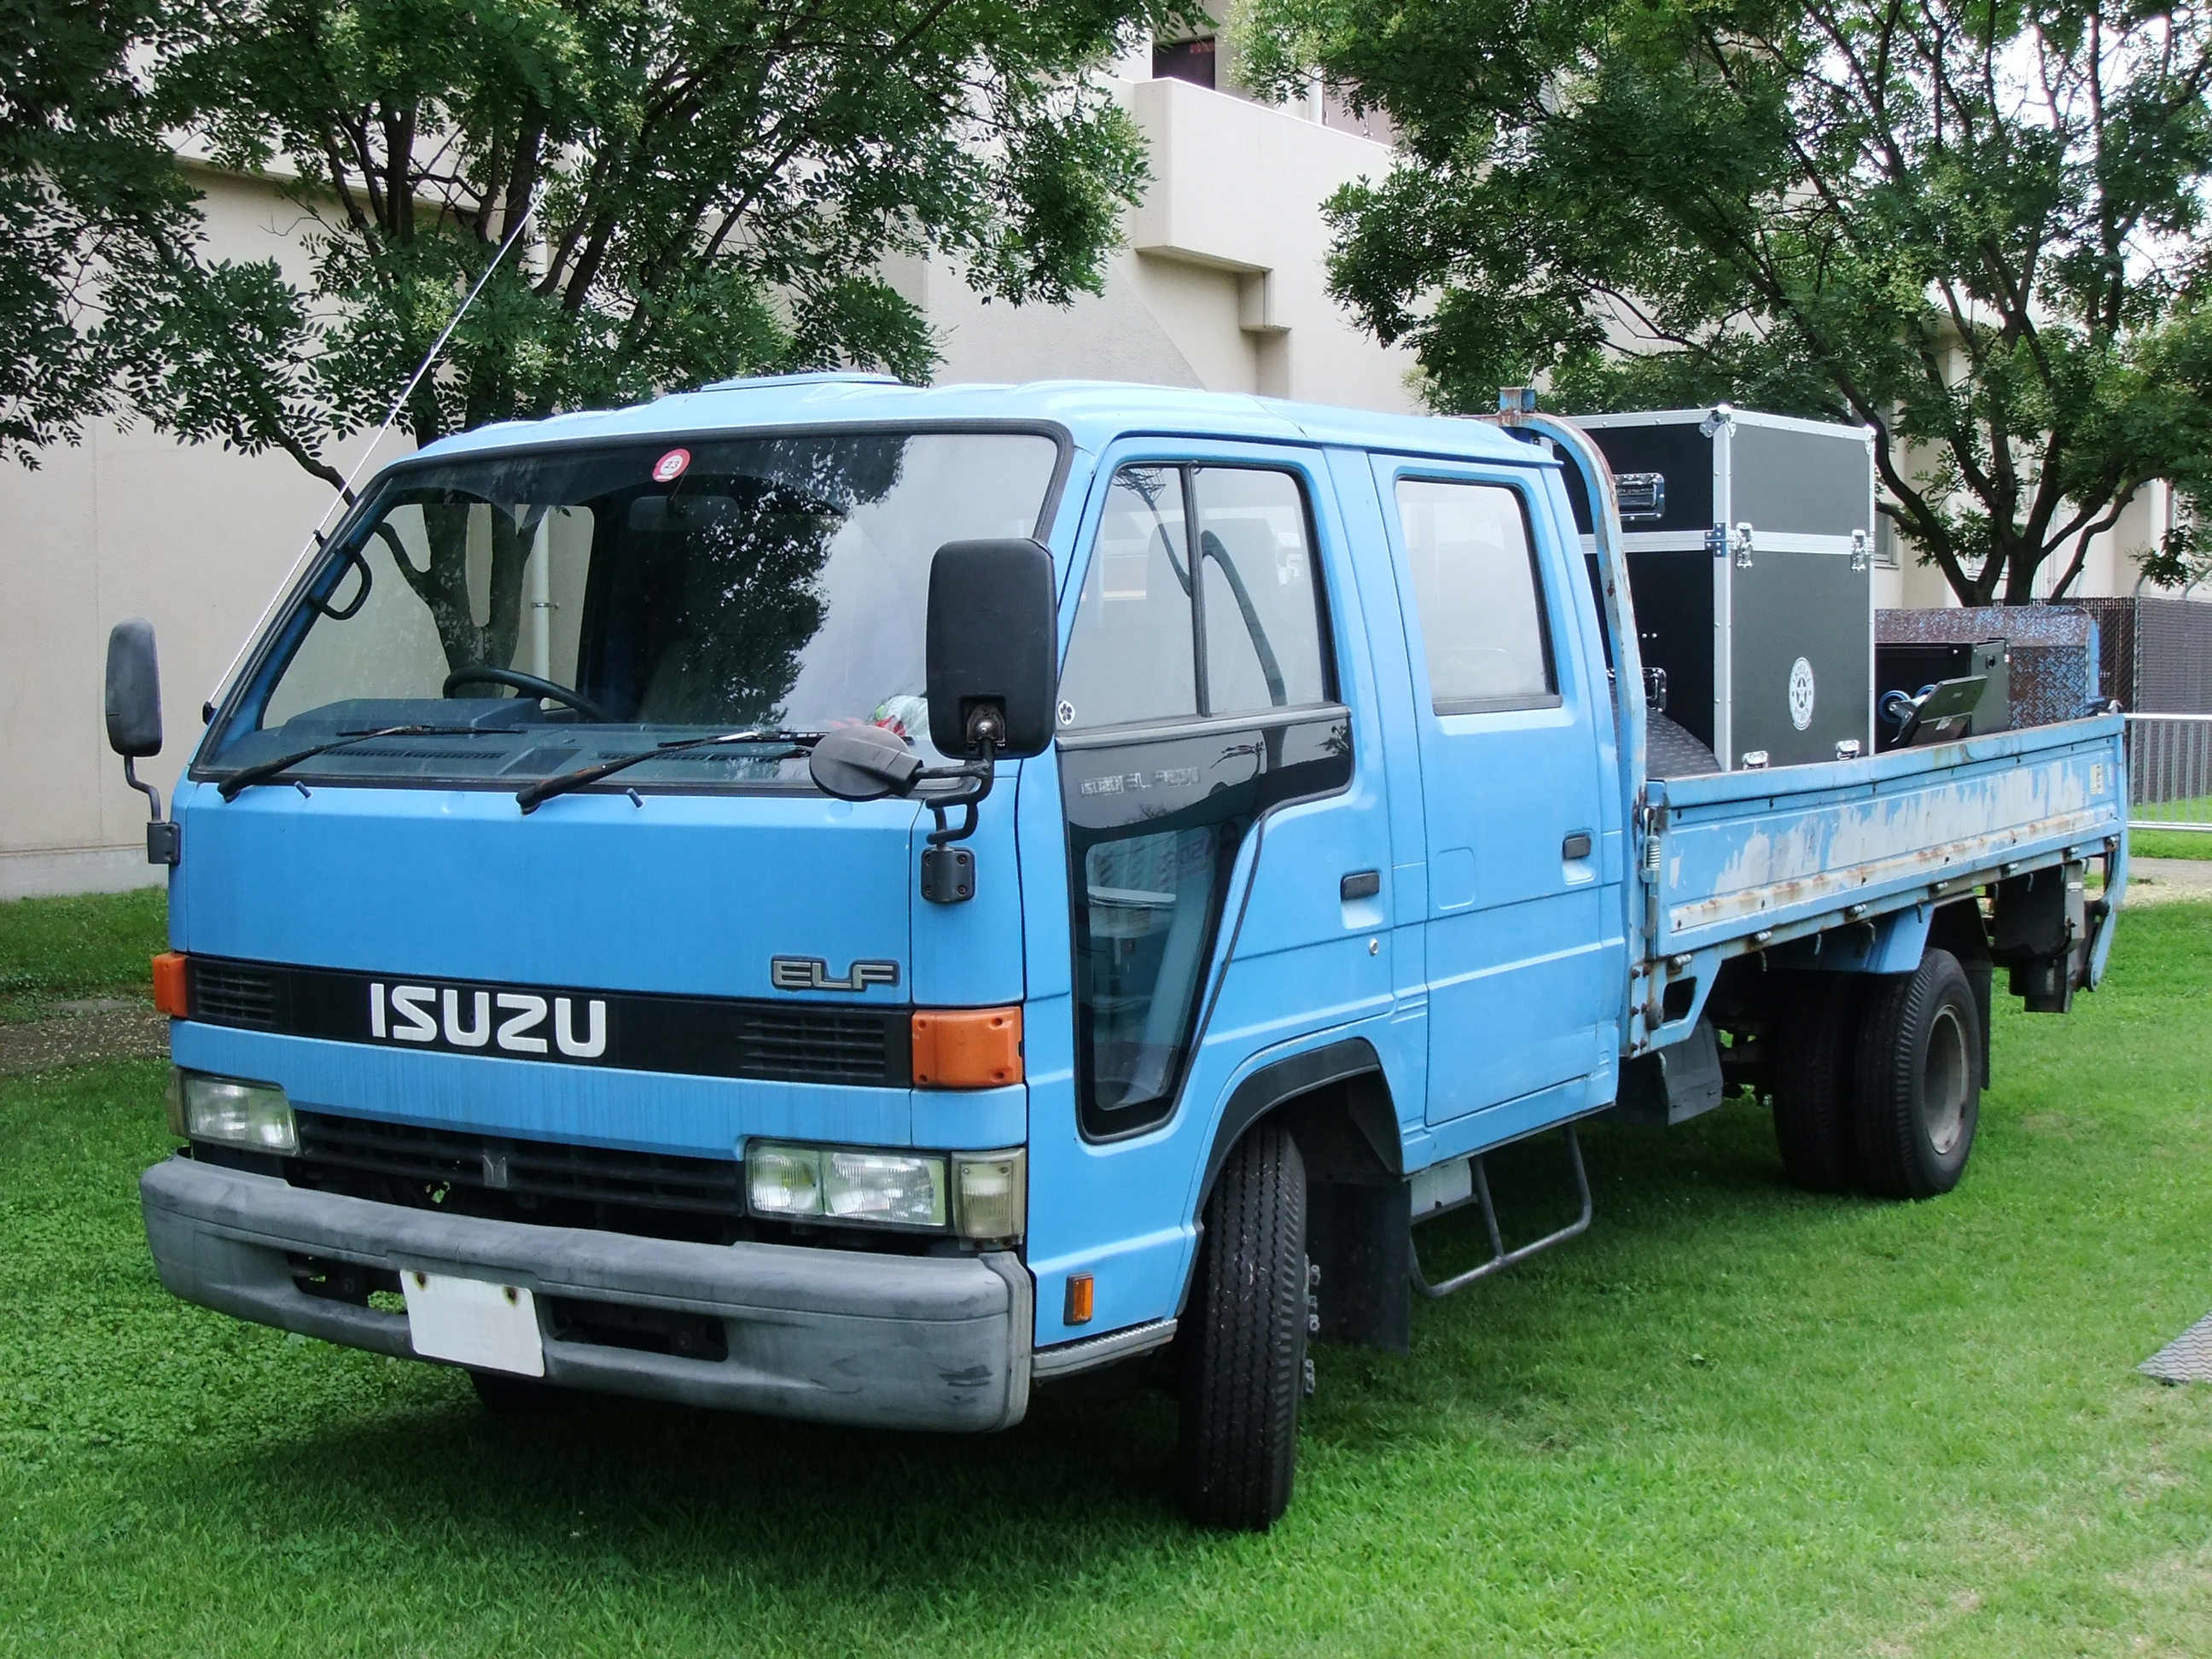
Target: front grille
<point>231,994</point>
<point>547,1171</point>
<point>814,1045</point>
<point>784,1040</point>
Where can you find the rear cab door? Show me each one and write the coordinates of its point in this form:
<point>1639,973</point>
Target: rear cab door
<point>1522,950</point>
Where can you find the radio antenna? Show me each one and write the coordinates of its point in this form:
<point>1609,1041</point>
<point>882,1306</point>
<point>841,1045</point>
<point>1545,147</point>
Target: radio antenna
<point>345,496</point>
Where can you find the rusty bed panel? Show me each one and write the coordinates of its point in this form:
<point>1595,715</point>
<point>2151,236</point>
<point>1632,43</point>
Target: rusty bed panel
<point>1740,852</point>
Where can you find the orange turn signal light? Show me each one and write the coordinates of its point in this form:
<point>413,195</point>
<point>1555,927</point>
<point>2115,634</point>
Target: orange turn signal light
<point>172,995</point>
<point>967,1047</point>
<point>1076,1310</point>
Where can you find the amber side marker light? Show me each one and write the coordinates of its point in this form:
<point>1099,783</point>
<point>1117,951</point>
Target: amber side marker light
<point>1078,1311</point>
<point>172,995</point>
<point>967,1047</point>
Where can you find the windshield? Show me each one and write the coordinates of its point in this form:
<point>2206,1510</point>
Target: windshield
<point>525,614</point>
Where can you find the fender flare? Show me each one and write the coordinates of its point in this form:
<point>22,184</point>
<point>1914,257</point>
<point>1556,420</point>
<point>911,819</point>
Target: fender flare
<point>1287,1080</point>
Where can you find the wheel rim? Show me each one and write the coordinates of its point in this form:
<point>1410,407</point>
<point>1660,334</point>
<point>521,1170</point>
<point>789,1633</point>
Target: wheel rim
<point>1944,1081</point>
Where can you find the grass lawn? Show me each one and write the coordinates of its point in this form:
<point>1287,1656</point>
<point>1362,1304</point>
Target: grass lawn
<point>52,948</point>
<point>2170,843</point>
<point>1732,1419</point>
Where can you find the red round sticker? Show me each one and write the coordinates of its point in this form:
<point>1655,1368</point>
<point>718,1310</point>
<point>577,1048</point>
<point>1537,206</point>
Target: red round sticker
<point>670,467</point>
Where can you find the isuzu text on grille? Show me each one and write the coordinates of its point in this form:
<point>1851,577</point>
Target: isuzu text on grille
<point>425,1013</point>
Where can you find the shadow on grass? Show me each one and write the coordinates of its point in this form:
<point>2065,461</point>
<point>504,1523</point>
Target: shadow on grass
<point>859,1510</point>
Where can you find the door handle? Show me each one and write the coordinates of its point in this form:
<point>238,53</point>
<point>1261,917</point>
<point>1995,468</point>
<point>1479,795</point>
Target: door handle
<point>1577,846</point>
<point>1359,884</point>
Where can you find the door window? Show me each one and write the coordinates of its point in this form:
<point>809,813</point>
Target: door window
<point>1263,643</point>
<point>1150,644</point>
<point>1132,657</point>
<point>1476,586</point>
<point>1201,600</point>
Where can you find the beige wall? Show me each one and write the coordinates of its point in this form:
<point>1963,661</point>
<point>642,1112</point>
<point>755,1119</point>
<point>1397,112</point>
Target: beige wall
<point>1222,283</point>
<point>131,523</point>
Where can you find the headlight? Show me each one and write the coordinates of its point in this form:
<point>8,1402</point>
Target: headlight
<point>254,1114</point>
<point>784,1180</point>
<point>980,1195</point>
<point>903,1190</point>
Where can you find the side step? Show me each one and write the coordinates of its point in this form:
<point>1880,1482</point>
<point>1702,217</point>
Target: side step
<point>1500,1257</point>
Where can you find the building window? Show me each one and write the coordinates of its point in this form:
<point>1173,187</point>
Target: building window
<point>1184,60</point>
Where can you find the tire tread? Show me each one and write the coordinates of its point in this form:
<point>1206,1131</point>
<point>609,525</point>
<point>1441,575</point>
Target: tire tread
<point>1244,1377</point>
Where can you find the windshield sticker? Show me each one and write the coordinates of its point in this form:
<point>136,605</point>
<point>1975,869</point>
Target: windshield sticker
<point>670,467</point>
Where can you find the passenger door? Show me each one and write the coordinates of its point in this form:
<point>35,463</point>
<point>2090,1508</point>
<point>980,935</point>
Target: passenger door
<point>1517,960</point>
<point>1199,696</point>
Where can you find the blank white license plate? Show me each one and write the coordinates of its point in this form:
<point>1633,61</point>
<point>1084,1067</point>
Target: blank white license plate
<point>472,1321</point>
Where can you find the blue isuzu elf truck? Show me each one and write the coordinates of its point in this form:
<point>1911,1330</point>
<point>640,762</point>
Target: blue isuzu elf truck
<point>860,902</point>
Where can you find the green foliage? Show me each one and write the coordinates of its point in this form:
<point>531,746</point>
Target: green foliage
<point>1731,1419</point>
<point>91,212</point>
<point>1973,227</point>
<point>715,189</point>
<point>77,947</point>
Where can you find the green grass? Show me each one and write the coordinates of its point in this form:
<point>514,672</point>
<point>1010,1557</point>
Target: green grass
<point>54,948</point>
<point>1732,1419</point>
<point>2170,843</point>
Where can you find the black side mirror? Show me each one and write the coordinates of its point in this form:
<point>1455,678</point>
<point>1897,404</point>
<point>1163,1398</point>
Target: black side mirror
<point>134,691</point>
<point>133,722</point>
<point>992,638</point>
<point>863,762</point>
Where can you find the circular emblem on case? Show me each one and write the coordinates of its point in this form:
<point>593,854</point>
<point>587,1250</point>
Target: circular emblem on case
<point>1800,694</point>
<point>1066,712</point>
<point>670,467</point>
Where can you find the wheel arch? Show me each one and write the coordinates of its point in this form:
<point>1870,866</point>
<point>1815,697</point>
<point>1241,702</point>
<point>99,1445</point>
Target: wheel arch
<point>1343,1080</point>
<point>1336,1102</point>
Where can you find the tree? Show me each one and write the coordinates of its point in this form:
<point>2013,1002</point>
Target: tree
<point>1972,226</point>
<point>652,194</point>
<point>91,208</point>
<point>713,185</point>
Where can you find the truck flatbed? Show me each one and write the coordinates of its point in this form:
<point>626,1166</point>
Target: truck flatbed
<point>1741,861</point>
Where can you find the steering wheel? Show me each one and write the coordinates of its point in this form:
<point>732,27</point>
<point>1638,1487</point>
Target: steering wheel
<point>529,682</point>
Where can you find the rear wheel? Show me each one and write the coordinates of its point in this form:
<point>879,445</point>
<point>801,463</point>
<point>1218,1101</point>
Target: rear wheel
<point>1816,1051</point>
<point>1244,1364</point>
<point>1919,1096</point>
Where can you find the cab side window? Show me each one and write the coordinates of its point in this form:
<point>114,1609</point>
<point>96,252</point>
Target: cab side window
<point>1263,643</point>
<point>1476,587</point>
<point>1131,658</point>
<point>1200,599</point>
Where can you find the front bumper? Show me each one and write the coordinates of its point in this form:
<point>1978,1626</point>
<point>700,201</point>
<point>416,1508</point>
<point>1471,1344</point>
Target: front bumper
<point>833,1336</point>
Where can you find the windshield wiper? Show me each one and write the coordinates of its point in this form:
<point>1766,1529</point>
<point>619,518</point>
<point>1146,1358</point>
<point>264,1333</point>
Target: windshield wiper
<point>244,779</point>
<point>533,796</point>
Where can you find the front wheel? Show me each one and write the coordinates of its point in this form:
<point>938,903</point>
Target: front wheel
<point>1244,1364</point>
<point>1919,1094</point>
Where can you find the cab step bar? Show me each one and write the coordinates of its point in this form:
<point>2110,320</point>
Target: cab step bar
<point>1500,1257</point>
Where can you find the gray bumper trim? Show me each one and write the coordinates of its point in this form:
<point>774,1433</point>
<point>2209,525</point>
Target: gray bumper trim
<point>1070,1357</point>
<point>834,1336</point>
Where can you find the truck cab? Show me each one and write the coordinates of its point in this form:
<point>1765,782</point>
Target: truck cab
<point>860,902</point>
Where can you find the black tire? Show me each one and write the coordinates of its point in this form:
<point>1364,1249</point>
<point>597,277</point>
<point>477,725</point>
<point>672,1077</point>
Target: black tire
<point>1919,1093</point>
<point>505,1394</point>
<point>1815,1057</point>
<point>1244,1339</point>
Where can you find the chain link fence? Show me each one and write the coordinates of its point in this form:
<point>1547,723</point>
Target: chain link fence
<point>2170,771</point>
